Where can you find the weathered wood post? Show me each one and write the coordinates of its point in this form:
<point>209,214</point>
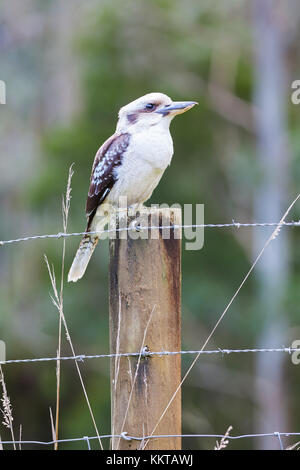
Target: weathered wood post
<point>145,297</point>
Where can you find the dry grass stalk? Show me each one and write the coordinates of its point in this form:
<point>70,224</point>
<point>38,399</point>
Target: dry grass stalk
<point>57,299</point>
<point>65,214</point>
<point>20,437</point>
<point>6,409</point>
<point>224,441</point>
<point>52,424</point>
<point>294,446</point>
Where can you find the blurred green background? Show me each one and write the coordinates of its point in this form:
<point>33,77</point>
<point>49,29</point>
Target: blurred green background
<point>68,67</point>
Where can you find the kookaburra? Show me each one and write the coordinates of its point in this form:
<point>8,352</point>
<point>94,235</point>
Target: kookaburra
<point>129,164</point>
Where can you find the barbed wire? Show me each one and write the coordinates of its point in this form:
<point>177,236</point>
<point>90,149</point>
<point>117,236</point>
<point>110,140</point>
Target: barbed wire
<point>233,224</point>
<point>125,436</point>
<point>146,353</point>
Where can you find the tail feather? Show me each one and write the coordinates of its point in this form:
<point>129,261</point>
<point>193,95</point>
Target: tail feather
<point>83,255</point>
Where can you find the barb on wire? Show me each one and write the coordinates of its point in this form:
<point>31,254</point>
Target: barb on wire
<point>82,357</point>
<point>233,224</point>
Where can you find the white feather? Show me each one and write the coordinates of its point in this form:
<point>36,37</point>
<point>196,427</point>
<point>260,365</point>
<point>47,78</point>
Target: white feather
<point>86,248</point>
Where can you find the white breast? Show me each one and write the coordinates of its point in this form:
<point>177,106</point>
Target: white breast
<point>148,155</point>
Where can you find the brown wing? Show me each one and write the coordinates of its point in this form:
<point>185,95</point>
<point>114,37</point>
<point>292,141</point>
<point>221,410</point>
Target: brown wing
<point>103,176</point>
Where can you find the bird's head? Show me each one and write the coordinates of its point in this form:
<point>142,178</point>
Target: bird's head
<point>151,110</point>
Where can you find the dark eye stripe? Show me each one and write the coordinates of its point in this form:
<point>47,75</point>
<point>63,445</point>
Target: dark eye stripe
<point>150,106</point>
<point>132,118</point>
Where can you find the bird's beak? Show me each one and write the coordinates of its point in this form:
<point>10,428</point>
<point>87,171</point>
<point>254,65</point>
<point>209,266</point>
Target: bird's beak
<point>177,107</point>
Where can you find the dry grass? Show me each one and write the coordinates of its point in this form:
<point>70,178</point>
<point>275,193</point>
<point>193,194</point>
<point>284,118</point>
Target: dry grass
<point>57,300</point>
<point>6,410</point>
<point>20,437</point>
<point>294,446</point>
<point>65,215</point>
<point>223,443</point>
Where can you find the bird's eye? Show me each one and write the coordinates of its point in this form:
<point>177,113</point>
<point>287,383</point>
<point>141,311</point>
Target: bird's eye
<point>150,106</point>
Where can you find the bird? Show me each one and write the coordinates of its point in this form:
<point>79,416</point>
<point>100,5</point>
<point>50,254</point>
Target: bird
<point>129,164</point>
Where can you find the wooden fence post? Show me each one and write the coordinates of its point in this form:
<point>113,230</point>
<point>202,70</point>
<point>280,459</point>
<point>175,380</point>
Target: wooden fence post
<point>145,297</point>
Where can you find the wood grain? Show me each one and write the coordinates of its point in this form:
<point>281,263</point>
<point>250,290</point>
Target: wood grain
<point>145,306</point>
